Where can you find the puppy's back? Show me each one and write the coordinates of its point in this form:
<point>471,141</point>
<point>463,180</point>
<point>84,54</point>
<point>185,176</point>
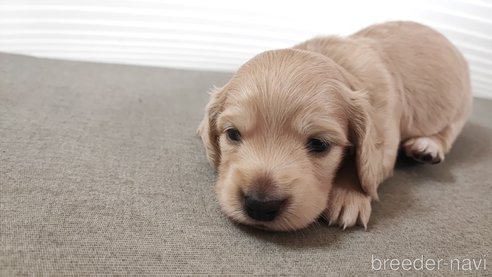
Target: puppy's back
<point>429,72</point>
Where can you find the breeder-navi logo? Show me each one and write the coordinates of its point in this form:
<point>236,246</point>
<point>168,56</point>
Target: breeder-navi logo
<point>430,264</point>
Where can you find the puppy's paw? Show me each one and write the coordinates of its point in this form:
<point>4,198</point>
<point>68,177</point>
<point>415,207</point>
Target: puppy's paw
<point>424,150</point>
<point>348,207</point>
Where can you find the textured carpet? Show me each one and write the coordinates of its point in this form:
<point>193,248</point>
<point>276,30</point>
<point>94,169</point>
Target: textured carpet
<point>101,173</point>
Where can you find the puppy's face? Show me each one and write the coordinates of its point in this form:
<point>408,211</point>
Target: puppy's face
<point>277,133</point>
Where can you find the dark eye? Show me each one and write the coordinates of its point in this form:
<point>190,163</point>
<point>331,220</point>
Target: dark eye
<point>315,145</point>
<point>233,134</point>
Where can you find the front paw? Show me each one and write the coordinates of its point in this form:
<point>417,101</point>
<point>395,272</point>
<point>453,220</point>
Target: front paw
<point>348,207</point>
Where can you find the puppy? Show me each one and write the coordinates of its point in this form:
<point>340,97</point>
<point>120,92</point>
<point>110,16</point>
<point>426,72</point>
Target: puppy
<point>313,130</point>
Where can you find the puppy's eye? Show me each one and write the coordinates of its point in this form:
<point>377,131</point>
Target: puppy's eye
<point>315,145</point>
<point>233,134</point>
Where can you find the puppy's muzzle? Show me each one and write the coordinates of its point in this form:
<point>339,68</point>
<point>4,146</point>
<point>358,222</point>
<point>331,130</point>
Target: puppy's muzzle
<point>263,210</point>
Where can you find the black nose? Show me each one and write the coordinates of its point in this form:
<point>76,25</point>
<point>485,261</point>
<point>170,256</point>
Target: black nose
<point>262,210</point>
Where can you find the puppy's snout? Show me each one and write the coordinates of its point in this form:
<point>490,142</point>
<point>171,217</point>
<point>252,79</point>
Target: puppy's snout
<point>262,210</point>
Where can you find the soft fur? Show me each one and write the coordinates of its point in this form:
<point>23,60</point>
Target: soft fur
<point>392,85</point>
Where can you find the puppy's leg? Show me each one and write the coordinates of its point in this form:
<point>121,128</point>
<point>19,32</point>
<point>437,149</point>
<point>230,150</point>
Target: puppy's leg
<point>348,204</point>
<point>431,149</point>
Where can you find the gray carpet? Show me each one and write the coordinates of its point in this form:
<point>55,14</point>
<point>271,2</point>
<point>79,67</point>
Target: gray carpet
<point>101,173</point>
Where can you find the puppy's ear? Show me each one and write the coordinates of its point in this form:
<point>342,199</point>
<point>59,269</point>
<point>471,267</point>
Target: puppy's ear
<point>367,140</point>
<point>208,127</point>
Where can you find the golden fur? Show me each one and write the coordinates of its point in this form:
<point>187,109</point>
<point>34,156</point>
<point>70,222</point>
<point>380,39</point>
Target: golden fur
<point>392,85</point>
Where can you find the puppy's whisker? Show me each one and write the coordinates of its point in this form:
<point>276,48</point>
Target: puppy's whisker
<point>235,214</point>
<point>291,227</point>
<point>288,220</point>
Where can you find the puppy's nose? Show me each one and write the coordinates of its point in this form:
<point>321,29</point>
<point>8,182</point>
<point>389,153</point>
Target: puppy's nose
<point>262,210</point>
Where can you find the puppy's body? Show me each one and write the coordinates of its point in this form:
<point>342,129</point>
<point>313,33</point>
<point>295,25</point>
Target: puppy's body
<point>389,85</point>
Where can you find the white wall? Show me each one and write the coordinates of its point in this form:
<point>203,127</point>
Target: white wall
<point>221,34</point>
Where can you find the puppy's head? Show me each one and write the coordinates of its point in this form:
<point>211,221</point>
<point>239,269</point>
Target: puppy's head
<point>277,133</point>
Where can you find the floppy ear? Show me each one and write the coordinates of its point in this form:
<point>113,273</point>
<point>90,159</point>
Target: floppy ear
<point>367,139</point>
<point>208,127</point>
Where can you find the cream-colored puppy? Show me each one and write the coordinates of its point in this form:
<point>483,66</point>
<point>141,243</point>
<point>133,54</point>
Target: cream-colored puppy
<point>313,130</point>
